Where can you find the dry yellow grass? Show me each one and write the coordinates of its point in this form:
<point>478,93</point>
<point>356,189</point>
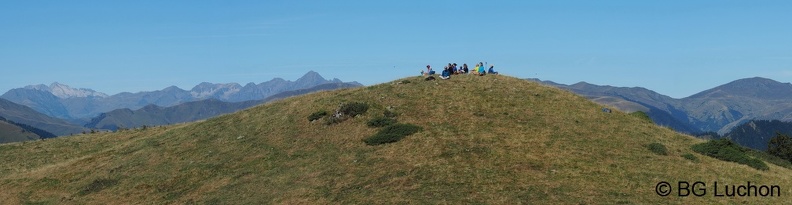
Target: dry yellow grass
<point>489,139</point>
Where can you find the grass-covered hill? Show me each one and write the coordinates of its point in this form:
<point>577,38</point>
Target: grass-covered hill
<point>484,139</point>
<point>13,133</point>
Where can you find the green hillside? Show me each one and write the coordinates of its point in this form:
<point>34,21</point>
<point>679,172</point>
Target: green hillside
<point>13,133</point>
<point>489,139</point>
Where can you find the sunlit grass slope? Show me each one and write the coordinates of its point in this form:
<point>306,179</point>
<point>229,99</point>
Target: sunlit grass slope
<point>489,139</point>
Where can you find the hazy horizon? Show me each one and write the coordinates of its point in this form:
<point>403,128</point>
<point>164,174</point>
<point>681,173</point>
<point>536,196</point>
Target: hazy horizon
<point>675,48</point>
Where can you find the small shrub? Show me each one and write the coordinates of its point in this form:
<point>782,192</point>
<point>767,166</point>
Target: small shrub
<point>354,109</point>
<point>641,115</point>
<point>392,133</point>
<point>657,148</point>
<point>389,114</point>
<point>726,150</point>
<point>690,157</point>
<point>98,185</point>
<point>708,135</point>
<point>381,122</point>
<point>333,120</point>
<point>317,115</point>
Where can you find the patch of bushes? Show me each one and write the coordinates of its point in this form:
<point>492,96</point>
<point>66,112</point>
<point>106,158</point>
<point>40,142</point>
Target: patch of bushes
<point>343,113</point>
<point>354,109</point>
<point>657,148</point>
<point>381,122</point>
<point>392,133</point>
<point>708,135</point>
<point>317,115</point>
<point>98,185</point>
<point>690,157</point>
<point>764,156</point>
<point>641,115</point>
<point>726,150</point>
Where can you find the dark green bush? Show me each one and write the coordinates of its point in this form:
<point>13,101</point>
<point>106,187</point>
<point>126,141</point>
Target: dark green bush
<point>726,150</point>
<point>317,115</point>
<point>392,133</point>
<point>657,148</point>
<point>388,113</point>
<point>354,109</point>
<point>97,185</point>
<point>764,156</point>
<point>780,146</point>
<point>690,157</point>
<point>381,122</point>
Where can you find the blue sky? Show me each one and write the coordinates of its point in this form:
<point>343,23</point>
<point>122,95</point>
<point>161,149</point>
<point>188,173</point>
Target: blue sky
<point>676,48</point>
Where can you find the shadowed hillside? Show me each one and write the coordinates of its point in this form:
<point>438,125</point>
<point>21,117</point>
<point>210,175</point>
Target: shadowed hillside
<point>14,133</point>
<point>491,139</point>
<point>756,134</point>
<point>25,115</point>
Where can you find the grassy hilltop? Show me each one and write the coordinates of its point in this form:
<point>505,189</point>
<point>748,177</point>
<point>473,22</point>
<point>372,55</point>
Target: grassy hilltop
<point>490,139</point>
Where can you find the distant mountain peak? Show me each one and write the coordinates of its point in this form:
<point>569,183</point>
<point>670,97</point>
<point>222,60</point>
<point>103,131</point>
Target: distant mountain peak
<point>64,91</point>
<point>57,84</point>
<point>208,90</point>
<point>310,79</point>
<point>41,87</point>
<point>755,87</point>
<point>311,76</point>
<point>755,81</point>
<point>172,88</point>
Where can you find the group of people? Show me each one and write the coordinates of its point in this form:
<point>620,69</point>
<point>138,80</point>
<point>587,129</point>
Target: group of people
<point>453,69</point>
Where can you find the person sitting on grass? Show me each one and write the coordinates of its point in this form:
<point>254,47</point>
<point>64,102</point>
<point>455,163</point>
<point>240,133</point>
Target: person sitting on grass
<point>465,68</point>
<point>492,70</point>
<point>446,74</point>
<point>429,71</point>
<point>480,71</point>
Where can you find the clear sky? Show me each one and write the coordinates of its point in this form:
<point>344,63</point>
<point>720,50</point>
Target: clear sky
<point>676,48</point>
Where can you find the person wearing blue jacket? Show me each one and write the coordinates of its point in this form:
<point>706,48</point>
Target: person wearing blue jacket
<point>446,74</point>
<point>492,70</point>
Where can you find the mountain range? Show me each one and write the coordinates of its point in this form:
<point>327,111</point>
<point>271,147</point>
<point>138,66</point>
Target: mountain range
<point>718,109</point>
<point>25,115</point>
<point>152,115</point>
<point>61,101</point>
